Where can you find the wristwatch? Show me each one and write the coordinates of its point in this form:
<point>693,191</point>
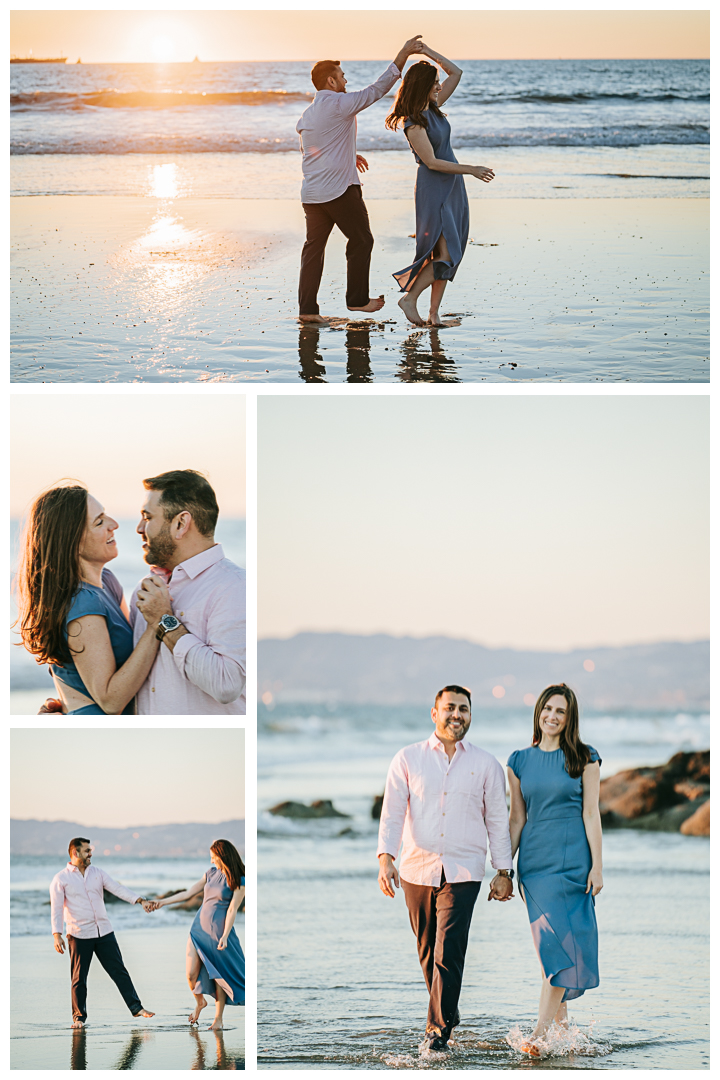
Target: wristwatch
<point>507,873</point>
<point>167,624</point>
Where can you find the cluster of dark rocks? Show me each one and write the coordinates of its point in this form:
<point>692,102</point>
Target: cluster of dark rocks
<point>666,798</point>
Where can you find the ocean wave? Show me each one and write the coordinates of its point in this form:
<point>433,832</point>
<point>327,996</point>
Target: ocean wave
<point>580,97</point>
<point>143,99</point>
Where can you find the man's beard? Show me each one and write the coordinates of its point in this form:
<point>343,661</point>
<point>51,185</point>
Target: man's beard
<point>161,550</point>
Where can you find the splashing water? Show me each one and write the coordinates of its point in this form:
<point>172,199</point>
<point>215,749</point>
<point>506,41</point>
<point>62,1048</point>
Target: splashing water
<point>560,1040</point>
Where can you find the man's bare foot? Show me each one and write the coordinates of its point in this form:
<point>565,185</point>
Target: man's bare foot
<point>372,305</point>
<point>216,1026</point>
<point>314,318</point>
<point>410,311</point>
<point>78,1023</point>
<point>194,1015</point>
<point>144,1012</point>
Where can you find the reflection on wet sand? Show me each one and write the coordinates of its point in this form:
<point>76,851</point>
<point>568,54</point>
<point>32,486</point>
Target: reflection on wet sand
<point>423,357</point>
<point>420,365</point>
<point>130,1054</point>
<point>223,1059</point>
<point>78,1052</point>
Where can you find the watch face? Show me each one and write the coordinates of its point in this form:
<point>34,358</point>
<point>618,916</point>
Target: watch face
<point>170,622</point>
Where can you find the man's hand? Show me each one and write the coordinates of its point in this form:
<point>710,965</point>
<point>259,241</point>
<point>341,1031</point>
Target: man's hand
<point>153,600</point>
<point>51,705</point>
<point>500,888</point>
<point>361,163</point>
<point>414,45</point>
<point>387,875</point>
<point>149,905</point>
<point>59,943</point>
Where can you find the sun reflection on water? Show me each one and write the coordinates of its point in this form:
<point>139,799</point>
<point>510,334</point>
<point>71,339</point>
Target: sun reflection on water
<point>164,181</point>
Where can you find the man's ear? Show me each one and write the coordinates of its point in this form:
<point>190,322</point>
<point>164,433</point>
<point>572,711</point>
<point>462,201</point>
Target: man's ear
<point>182,524</point>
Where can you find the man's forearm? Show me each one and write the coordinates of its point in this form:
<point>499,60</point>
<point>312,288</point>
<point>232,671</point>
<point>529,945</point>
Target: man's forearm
<point>401,59</point>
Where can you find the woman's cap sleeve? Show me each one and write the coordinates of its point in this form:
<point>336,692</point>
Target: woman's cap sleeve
<point>512,762</point>
<point>594,756</point>
<point>242,880</point>
<point>85,602</point>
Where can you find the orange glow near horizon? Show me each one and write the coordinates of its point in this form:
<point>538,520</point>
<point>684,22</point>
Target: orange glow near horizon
<point>163,37</point>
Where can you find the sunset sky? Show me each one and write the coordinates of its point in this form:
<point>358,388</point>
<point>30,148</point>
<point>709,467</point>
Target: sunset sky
<point>117,779</point>
<point>112,441</point>
<point>530,522</point>
<point>162,36</point>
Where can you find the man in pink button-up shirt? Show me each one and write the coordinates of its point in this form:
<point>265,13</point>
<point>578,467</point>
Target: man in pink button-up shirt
<point>76,896</point>
<point>444,799</point>
<point>200,666</point>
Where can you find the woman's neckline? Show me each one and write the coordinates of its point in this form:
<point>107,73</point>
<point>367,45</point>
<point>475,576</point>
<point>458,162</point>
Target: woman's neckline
<point>538,747</point>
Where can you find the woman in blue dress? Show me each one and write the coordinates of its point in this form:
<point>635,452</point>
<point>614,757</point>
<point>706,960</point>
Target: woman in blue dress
<point>555,823</point>
<point>442,216</point>
<point>215,964</point>
<point>72,612</point>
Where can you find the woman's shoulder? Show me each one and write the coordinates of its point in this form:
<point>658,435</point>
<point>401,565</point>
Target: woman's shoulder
<point>88,600</point>
<point>594,756</point>
<point>518,756</point>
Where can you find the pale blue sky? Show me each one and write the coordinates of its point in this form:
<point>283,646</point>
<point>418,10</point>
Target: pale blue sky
<point>112,441</point>
<point>123,777</point>
<point>517,520</point>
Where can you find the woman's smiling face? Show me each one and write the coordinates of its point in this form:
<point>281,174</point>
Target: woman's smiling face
<point>98,544</point>
<point>553,717</point>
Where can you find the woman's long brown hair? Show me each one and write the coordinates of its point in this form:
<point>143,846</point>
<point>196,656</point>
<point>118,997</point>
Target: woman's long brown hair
<point>49,572</point>
<point>413,97</point>
<point>232,864</point>
<point>577,754</point>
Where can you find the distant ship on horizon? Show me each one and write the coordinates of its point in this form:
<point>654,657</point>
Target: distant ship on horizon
<point>37,60</point>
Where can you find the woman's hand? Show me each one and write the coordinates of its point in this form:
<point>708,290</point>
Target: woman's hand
<point>153,599</point>
<point>51,705</point>
<point>481,173</point>
<point>222,943</point>
<point>594,881</point>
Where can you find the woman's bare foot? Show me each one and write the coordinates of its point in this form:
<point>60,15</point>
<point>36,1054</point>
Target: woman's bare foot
<point>194,1015</point>
<point>144,1012</point>
<point>372,305</point>
<point>410,311</point>
<point>216,1025</point>
<point>78,1023</point>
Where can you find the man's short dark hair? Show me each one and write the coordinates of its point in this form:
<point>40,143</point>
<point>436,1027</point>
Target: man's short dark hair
<point>186,489</point>
<point>453,690</point>
<point>75,843</point>
<point>322,72</point>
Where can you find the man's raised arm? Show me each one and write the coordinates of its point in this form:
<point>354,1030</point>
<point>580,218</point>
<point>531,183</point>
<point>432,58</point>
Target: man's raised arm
<point>357,100</point>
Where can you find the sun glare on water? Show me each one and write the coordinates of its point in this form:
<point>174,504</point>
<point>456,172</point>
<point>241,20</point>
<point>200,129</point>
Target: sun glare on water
<point>164,181</point>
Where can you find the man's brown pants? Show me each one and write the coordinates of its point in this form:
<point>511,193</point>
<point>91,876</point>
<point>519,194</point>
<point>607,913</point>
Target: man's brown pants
<point>440,918</point>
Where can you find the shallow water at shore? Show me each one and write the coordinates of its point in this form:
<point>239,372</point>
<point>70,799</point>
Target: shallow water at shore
<point>339,981</point>
<point>123,290</point>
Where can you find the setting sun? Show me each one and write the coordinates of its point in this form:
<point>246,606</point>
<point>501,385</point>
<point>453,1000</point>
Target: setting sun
<point>163,49</point>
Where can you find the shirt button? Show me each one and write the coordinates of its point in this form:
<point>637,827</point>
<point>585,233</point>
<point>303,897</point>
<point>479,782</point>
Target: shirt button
<point>443,815</point>
<point>182,612</point>
<point>442,833</point>
<point>153,689</point>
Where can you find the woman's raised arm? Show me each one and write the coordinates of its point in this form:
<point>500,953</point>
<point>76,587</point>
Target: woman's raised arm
<point>453,72</point>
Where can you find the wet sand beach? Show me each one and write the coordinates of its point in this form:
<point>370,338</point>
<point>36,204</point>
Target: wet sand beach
<point>41,1036</point>
<point>122,289</point>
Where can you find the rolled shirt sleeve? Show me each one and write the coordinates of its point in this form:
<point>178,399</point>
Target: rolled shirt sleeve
<point>217,664</point>
<point>497,820</point>
<point>395,805</point>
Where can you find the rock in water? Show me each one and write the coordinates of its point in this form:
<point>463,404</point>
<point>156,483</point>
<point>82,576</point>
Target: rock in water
<point>321,808</point>
<point>660,797</point>
<point>699,823</point>
<point>377,807</point>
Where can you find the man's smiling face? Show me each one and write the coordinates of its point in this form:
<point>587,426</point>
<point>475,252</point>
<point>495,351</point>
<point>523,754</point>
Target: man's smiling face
<point>451,716</point>
<point>158,545</point>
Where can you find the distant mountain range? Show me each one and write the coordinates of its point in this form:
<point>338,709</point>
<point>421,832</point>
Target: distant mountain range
<point>380,669</point>
<point>160,841</point>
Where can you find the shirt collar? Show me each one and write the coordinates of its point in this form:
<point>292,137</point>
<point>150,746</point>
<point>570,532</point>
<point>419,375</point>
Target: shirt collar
<point>434,743</point>
<point>194,566</point>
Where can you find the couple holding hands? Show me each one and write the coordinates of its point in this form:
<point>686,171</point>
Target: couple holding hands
<point>215,964</point>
